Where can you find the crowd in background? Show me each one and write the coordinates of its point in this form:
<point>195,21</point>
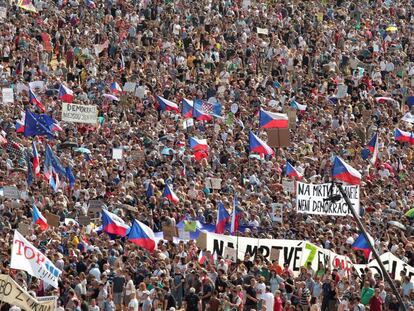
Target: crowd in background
<point>210,50</point>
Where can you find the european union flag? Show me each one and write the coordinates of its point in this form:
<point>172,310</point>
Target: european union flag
<point>52,161</point>
<point>34,125</point>
<point>70,176</point>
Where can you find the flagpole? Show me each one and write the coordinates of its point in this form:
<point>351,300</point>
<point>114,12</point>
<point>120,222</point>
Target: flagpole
<point>361,227</point>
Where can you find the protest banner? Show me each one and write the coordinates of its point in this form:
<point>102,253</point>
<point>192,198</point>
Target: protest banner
<point>230,254</point>
<point>79,113</point>
<point>129,87</point>
<point>295,253</point>
<point>342,91</point>
<point>169,232</point>
<point>84,220</point>
<point>26,257</point>
<point>24,228</point>
<point>278,137</point>
<point>311,199</point>
<point>11,192</point>
<point>13,294</point>
<point>117,153</point>
<point>392,264</point>
<point>7,95</point>
<point>183,234</point>
<point>94,208</point>
<point>37,86</point>
<point>213,183</point>
<point>262,31</point>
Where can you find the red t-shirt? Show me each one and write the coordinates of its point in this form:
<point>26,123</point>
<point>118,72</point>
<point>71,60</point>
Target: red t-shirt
<point>278,304</point>
<point>375,304</point>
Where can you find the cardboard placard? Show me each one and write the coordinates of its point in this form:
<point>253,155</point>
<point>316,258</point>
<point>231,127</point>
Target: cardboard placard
<point>274,254</point>
<point>201,241</point>
<point>278,137</point>
<point>52,219</point>
<point>169,232</point>
<point>230,254</point>
<point>84,220</point>
<point>292,118</point>
<point>11,192</point>
<point>213,183</point>
<point>288,185</point>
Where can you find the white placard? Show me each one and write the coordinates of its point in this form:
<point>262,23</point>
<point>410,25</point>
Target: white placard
<point>7,94</point>
<point>140,92</point>
<point>79,113</point>
<point>288,185</point>
<point>3,13</point>
<point>277,212</point>
<point>37,85</point>
<point>183,235</point>
<point>129,87</point>
<point>26,257</point>
<point>117,153</point>
<point>234,108</point>
<point>310,199</point>
<point>342,91</point>
<point>262,31</point>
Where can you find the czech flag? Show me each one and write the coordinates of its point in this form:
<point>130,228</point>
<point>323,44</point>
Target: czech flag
<point>402,136</point>
<point>269,120</point>
<point>36,160</point>
<point>65,94</point>
<point>142,235</point>
<point>200,155</point>
<point>39,219</point>
<point>170,195</point>
<point>113,224</point>
<point>201,116</point>
<point>362,244</point>
<point>202,258</point>
<point>373,148</point>
<point>345,172</point>
<point>296,105</point>
<point>19,126</point>
<point>291,171</point>
<point>257,145</point>
<point>198,144</point>
<point>35,101</point>
<point>235,216</point>
<point>383,99</point>
<point>187,108</point>
<point>115,88</point>
<point>167,105</point>
<point>222,218</point>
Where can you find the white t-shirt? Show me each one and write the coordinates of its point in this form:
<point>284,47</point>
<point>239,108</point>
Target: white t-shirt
<point>269,300</point>
<point>133,304</point>
<point>129,287</point>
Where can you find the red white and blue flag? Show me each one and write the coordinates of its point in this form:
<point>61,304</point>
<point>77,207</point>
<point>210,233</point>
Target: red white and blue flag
<point>36,160</point>
<point>115,88</point>
<point>142,235</point>
<point>65,94</point>
<point>35,101</point>
<point>344,172</point>
<point>167,105</point>
<point>291,171</point>
<point>270,120</point>
<point>373,148</point>
<point>222,218</point>
<point>170,195</point>
<point>235,216</point>
<point>403,136</point>
<point>256,145</point>
<point>113,224</point>
<point>362,244</point>
<point>187,108</point>
<point>39,219</point>
<point>198,144</point>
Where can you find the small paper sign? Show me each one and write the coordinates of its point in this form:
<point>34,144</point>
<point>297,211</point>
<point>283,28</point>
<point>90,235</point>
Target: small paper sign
<point>213,183</point>
<point>11,192</point>
<point>169,232</point>
<point>230,254</point>
<point>8,96</point>
<point>288,185</point>
<point>277,212</point>
<point>183,235</point>
<point>117,153</point>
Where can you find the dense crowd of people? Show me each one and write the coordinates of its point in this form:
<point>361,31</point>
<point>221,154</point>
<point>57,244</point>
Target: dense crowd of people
<point>252,55</point>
